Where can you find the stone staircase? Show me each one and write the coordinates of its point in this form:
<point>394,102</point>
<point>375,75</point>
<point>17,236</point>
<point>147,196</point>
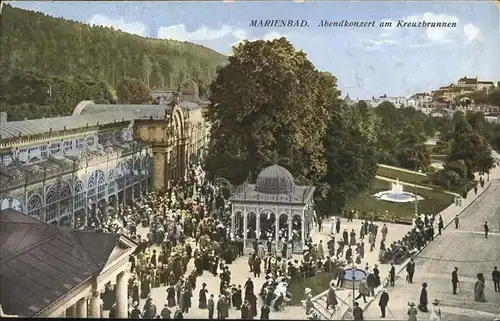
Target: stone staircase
<point>344,298</point>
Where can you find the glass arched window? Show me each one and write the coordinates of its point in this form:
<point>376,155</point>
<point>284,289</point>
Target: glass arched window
<point>90,141</point>
<point>67,147</point>
<point>91,184</point>
<point>111,181</point>
<point>64,198</point>
<point>137,168</point>
<point>120,174</point>
<point>35,208</point>
<point>51,201</point>
<point>118,137</point>
<point>96,181</point>
<point>79,195</point>
<point>101,185</point>
<point>129,173</point>
<point>55,148</point>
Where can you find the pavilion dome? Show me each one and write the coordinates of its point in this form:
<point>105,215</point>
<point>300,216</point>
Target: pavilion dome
<point>275,180</point>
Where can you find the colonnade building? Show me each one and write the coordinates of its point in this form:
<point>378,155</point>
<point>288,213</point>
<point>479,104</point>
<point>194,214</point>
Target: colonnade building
<point>54,168</point>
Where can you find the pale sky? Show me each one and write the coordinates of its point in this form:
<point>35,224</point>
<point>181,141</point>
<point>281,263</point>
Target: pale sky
<point>368,62</point>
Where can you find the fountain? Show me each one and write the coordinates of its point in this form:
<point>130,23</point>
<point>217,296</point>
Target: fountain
<point>353,276</point>
<point>397,195</point>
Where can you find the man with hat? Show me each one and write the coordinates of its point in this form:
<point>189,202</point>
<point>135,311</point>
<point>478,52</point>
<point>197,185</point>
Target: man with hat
<point>165,312</point>
<point>135,313</point>
<point>211,307</point>
<point>149,309</point>
<point>357,312</point>
<point>454,280</point>
<point>383,301</point>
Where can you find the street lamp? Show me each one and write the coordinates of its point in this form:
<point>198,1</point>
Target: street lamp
<point>353,268</point>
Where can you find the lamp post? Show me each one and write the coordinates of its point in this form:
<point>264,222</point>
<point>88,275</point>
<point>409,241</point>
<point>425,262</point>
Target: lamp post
<point>353,268</point>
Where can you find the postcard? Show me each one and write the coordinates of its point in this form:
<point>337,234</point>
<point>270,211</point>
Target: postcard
<point>331,160</point>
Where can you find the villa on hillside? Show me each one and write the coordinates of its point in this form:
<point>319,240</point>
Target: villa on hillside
<point>398,102</point>
<point>475,84</point>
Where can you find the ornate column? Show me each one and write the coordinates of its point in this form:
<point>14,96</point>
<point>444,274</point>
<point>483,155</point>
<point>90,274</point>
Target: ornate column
<point>95,305</point>
<point>257,226</point>
<point>81,308</point>
<point>290,221</point>
<point>121,296</point>
<point>233,222</point>
<point>245,229</point>
<point>277,222</point>
<point>302,232</point>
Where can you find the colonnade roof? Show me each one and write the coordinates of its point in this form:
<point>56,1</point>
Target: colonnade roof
<point>88,107</point>
<point>87,113</point>
<point>39,126</point>
<point>41,262</point>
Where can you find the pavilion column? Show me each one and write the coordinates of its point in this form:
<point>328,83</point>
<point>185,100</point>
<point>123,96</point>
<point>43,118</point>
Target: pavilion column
<point>302,232</point>
<point>257,225</point>
<point>121,296</point>
<point>95,305</point>
<point>277,222</point>
<point>245,230</point>
<point>81,308</point>
<point>232,223</point>
<point>290,221</point>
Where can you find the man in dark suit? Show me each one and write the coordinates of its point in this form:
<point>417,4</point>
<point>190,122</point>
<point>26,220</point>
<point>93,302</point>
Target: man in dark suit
<point>392,274</point>
<point>410,269</point>
<point>495,276</point>
<point>454,280</point>
<point>486,229</point>
<point>383,301</point>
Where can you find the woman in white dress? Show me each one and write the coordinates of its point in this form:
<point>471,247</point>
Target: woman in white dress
<point>435,311</point>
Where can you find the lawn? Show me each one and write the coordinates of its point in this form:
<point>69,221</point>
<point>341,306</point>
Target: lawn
<point>434,202</point>
<point>317,284</point>
<point>402,176</point>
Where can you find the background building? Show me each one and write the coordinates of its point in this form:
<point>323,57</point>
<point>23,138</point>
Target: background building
<point>51,168</point>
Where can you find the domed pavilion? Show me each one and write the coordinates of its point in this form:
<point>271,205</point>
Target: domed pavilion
<point>274,209</point>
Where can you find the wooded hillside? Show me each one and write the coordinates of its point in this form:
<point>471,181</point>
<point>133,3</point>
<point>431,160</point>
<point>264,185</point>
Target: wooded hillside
<point>56,46</point>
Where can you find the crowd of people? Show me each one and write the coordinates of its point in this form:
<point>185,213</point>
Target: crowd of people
<point>191,223</point>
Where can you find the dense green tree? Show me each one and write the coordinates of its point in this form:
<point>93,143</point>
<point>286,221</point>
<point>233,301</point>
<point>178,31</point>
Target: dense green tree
<point>133,91</point>
<point>351,157</point>
<point>454,176</point>
<point>415,157</point>
<point>22,91</point>
<point>470,147</point>
<point>269,98</point>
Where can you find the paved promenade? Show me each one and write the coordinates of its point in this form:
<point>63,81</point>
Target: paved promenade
<point>466,248</point>
<point>240,272</point>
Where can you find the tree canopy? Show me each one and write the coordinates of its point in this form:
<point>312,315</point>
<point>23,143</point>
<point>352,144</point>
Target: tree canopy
<point>401,134</point>
<point>470,147</point>
<point>271,99</point>
<point>61,47</point>
<point>351,157</point>
<point>264,101</point>
<point>133,91</point>
<point>31,94</point>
